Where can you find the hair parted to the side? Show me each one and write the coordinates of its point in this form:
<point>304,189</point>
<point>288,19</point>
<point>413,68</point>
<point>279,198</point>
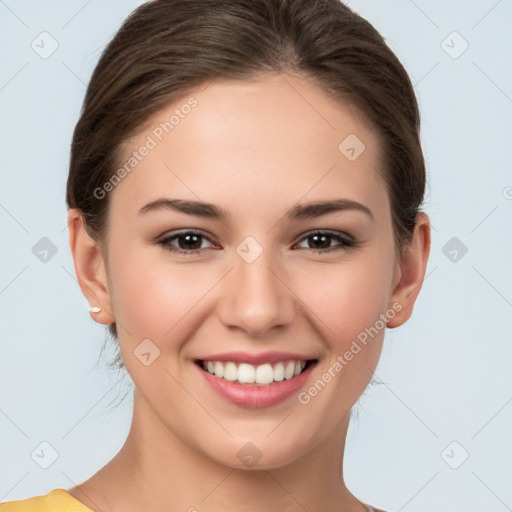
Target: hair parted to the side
<point>167,47</point>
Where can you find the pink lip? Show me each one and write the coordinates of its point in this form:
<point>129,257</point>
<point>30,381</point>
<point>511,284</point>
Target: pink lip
<point>253,396</point>
<point>256,359</point>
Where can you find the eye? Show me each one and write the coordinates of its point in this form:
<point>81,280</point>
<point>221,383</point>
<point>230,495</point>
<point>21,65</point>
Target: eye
<point>189,242</point>
<point>321,241</point>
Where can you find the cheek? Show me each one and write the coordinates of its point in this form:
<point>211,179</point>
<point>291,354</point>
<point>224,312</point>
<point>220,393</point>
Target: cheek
<point>346,299</point>
<point>156,305</point>
<point>347,304</point>
<point>158,300</point>
<point>152,298</point>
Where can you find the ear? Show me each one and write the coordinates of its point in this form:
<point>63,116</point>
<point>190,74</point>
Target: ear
<point>89,267</point>
<point>411,271</point>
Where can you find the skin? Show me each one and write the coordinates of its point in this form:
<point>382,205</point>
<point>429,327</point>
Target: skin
<point>255,149</point>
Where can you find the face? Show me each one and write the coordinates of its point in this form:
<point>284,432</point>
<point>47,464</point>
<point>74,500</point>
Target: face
<point>261,273</point>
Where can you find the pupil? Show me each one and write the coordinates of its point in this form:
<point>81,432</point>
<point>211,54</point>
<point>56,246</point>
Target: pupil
<point>324,237</point>
<point>188,241</point>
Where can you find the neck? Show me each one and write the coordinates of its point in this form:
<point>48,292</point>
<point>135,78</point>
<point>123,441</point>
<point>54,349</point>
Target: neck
<point>155,470</point>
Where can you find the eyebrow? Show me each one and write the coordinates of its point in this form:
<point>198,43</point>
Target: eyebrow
<point>211,211</point>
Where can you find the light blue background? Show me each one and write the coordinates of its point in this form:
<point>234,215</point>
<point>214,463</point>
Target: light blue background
<point>446,374</point>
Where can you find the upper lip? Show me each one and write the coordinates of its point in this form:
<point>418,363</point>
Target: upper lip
<point>256,359</point>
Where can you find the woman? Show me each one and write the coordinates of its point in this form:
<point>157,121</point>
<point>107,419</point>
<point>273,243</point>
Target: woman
<point>244,214</point>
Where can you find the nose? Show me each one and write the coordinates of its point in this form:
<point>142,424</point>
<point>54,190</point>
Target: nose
<point>256,297</point>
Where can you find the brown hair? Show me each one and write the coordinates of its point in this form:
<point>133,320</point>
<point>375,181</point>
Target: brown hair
<point>167,47</point>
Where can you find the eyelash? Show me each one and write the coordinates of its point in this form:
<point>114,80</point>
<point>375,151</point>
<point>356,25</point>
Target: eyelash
<point>346,243</point>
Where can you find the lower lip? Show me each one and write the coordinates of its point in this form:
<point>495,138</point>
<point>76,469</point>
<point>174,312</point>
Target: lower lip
<point>246,395</point>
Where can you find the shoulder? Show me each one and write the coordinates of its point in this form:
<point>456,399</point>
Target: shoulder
<point>57,500</point>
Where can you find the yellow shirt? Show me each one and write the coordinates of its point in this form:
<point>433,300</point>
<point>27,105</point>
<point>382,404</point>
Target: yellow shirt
<point>57,500</point>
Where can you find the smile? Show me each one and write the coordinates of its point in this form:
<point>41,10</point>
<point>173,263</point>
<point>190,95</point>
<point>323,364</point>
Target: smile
<point>262,375</point>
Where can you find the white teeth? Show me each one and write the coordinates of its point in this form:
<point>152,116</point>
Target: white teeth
<point>262,375</point>
<point>279,372</point>
<point>289,370</point>
<point>246,373</point>
<point>230,371</point>
<point>218,369</point>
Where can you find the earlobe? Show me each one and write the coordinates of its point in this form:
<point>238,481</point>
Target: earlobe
<point>411,272</point>
<point>90,268</point>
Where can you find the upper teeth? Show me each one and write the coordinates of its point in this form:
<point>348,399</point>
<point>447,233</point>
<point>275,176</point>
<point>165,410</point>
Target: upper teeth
<point>263,374</point>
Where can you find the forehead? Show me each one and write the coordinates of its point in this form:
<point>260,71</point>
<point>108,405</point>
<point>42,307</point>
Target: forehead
<point>277,137</point>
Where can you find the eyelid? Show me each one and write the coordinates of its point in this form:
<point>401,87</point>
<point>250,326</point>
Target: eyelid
<point>332,232</point>
<point>186,231</point>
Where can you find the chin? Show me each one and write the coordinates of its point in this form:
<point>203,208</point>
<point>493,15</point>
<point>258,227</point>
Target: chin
<point>260,455</point>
